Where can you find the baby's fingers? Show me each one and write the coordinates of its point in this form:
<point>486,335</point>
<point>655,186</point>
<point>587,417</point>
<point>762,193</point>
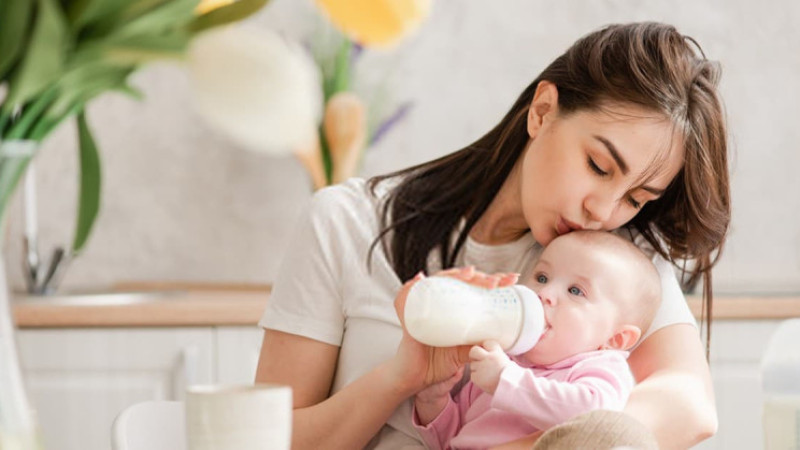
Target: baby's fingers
<point>477,353</point>
<point>492,346</point>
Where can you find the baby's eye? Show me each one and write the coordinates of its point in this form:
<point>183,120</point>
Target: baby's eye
<point>575,291</point>
<point>541,278</point>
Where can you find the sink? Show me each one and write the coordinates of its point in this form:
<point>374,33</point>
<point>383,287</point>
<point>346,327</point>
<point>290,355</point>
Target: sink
<point>102,298</point>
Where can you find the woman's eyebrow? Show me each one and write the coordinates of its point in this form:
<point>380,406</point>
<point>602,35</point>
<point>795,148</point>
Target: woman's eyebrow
<point>623,166</point>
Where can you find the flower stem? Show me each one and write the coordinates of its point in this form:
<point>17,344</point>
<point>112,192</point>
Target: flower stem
<point>30,113</point>
<point>4,118</point>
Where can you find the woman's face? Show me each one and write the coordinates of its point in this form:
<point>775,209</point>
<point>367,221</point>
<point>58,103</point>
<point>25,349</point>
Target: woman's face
<point>592,169</point>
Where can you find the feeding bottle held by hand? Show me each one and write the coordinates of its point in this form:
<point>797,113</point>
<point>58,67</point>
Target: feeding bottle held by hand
<point>444,312</point>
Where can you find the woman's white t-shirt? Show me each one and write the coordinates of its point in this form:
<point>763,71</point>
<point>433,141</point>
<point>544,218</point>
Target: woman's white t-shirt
<point>326,291</point>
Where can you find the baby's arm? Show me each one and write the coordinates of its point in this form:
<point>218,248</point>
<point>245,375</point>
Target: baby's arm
<point>431,401</point>
<point>436,415</point>
<point>602,382</point>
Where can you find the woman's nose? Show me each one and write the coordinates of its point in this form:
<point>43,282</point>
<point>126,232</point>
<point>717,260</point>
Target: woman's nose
<point>599,208</point>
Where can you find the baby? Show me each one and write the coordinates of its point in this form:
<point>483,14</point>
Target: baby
<point>599,293</point>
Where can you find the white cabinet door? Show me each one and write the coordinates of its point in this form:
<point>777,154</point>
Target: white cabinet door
<point>80,379</point>
<point>736,350</point>
<point>237,354</point>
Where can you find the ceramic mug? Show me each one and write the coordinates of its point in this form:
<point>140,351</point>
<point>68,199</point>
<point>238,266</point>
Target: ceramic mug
<point>239,417</point>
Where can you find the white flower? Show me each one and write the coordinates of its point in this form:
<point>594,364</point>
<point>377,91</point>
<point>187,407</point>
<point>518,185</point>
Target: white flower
<point>256,87</point>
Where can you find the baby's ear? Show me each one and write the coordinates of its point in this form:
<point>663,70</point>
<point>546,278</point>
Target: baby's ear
<point>624,338</point>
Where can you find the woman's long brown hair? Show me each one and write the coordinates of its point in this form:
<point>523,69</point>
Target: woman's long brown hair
<point>650,65</point>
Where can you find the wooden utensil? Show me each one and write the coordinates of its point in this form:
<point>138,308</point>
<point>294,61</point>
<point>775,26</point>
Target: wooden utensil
<point>345,128</point>
<point>311,157</point>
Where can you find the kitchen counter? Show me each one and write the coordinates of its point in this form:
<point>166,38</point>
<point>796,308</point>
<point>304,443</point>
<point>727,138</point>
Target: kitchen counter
<point>159,305</point>
<point>146,305</point>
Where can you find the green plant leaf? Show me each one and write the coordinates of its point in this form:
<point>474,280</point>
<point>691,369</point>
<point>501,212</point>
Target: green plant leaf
<point>158,20</point>
<point>86,12</point>
<point>14,21</point>
<point>83,83</point>
<point>138,50</point>
<point>341,74</point>
<point>44,57</point>
<point>132,51</point>
<point>90,183</point>
<point>130,91</point>
<point>233,12</point>
<point>135,8</point>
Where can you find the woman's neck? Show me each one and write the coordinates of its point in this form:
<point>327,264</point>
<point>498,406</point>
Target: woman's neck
<point>503,221</point>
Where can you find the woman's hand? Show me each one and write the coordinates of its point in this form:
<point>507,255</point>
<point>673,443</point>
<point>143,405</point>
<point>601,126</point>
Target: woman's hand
<point>417,365</point>
<point>431,401</point>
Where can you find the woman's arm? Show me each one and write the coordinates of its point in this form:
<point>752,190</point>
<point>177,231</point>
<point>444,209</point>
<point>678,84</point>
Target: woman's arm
<point>347,419</point>
<point>674,396</point>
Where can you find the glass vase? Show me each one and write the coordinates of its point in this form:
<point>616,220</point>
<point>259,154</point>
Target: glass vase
<point>19,428</point>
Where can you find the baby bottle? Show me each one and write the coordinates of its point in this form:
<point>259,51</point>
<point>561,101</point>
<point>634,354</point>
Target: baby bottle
<point>443,312</point>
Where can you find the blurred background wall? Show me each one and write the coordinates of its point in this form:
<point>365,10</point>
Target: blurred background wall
<point>183,203</point>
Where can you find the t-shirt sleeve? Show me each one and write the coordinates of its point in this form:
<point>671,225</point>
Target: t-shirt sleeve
<point>305,298</point>
<point>673,308</point>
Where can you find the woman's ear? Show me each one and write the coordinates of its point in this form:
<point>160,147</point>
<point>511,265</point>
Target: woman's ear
<point>624,338</point>
<point>543,106</point>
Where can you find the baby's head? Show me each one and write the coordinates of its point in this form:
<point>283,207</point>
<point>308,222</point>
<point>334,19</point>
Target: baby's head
<point>598,290</point>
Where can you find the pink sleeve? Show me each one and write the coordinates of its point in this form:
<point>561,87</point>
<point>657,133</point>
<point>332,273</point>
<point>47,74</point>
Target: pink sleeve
<point>602,382</point>
<point>448,423</point>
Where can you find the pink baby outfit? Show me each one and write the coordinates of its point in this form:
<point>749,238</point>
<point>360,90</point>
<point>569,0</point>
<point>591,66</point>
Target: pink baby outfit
<point>529,399</point>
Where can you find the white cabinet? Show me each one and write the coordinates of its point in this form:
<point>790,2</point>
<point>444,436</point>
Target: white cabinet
<point>238,349</point>
<point>736,350</point>
<point>80,379</point>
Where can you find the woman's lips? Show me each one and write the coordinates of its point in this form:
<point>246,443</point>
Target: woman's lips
<point>565,226</point>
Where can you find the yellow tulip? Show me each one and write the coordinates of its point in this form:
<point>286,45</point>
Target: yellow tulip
<point>210,5</point>
<point>376,22</point>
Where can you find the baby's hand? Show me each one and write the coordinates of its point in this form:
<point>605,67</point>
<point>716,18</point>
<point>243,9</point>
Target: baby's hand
<point>487,363</point>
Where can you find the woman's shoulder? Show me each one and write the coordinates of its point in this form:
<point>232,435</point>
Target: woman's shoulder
<point>352,196</point>
<point>348,208</point>
<point>355,197</point>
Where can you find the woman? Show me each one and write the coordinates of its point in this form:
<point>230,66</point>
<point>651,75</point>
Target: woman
<point>624,132</point>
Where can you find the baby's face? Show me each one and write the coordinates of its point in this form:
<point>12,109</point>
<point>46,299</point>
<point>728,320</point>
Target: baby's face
<point>580,288</point>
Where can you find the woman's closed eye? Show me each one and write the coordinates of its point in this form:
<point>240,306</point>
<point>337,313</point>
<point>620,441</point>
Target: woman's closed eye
<point>635,204</point>
<point>595,168</point>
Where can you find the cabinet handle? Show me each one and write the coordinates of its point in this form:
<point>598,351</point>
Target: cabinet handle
<point>190,358</point>
<point>186,371</point>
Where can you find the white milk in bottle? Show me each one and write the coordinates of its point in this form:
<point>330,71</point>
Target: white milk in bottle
<point>444,312</point>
